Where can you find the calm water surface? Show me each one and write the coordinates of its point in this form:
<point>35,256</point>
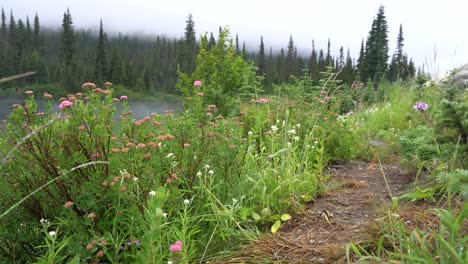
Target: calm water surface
<point>140,109</point>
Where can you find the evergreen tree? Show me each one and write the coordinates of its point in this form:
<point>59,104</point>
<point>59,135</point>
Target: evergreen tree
<point>399,64</point>
<point>261,58</point>
<point>243,49</point>
<point>376,55</point>
<point>321,62</point>
<point>347,74</point>
<point>190,48</point>
<point>28,35</point>
<point>341,60</point>
<point>238,52</point>
<point>3,28</point>
<point>329,59</point>
<point>12,58</point>
<point>283,75</point>
<point>67,52</point>
<point>361,65</point>
<point>291,59</point>
<point>211,42</point>
<point>115,69</point>
<point>411,69</point>
<point>269,71</point>
<point>36,37</point>
<point>100,70</point>
<point>313,64</point>
<point>3,45</point>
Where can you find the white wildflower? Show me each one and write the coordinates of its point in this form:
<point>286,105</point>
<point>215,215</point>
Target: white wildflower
<point>170,155</point>
<point>152,193</point>
<point>207,166</point>
<point>250,133</point>
<point>52,233</point>
<point>186,201</point>
<point>274,128</point>
<point>211,172</point>
<point>165,215</point>
<point>199,174</point>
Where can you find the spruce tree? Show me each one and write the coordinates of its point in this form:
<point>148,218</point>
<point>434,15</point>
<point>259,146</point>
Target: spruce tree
<point>3,28</point>
<point>67,53</point>
<point>376,55</point>
<point>12,58</point>
<point>291,59</point>
<point>212,41</point>
<point>115,69</point>
<point>269,71</point>
<point>341,60</point>
<point>411,69</point>
<point>347,74</point>
<point>36,38</point>
<point>238,52</point>
<point>329,59</point>
<point>190,46</point>
<point>261,58</point>
<point>361,64</point>
<point>321,62</point>
<point>100,70</point>
<point>313,64</point>
<point>282,67</point>
<point>3,45</point>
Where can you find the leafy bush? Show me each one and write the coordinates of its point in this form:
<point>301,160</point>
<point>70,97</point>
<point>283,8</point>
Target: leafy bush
<point>92,186</point>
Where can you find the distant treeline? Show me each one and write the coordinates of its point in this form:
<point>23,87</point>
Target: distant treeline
<point>70,57</point>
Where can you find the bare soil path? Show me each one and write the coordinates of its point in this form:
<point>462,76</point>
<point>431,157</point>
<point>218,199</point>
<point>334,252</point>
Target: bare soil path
<point>357,191</point>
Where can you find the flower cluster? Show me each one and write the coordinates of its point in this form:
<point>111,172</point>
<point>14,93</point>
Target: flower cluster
<point>420,106</point>
<point>176,247</point>
<point>65,104</point>
<point>197,83</point>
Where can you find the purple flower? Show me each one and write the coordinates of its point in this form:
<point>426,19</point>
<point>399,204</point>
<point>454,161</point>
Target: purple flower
<point>420,106</point>
<point>129,243</point>
<point>137,242</point>
<point>354,85</point>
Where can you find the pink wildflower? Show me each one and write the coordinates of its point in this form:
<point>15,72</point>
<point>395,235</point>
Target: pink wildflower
<point>88,85</point>
<point>65,104</point>
<point>48,96</point>
<point>68,204</point>
<point>263,100</point>
<point>176,247</point>
<point>29,92</point>
<point>108,84</point>
<point>197,83</point>
<point>123,97</point>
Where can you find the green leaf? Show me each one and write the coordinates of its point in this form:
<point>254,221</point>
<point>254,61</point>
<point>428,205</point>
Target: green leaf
<point>285,217</point>
<point>307,198</point>
<point>256,216</point>
<point>275,226</point>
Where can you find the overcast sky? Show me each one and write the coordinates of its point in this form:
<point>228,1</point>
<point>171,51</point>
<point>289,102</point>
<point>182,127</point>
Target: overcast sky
<point>430,27</point>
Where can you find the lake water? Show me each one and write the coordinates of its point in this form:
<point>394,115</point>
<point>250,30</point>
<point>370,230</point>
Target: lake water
<point>140,109</point>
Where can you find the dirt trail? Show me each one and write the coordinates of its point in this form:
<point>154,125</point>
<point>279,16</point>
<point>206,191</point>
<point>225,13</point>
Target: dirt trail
<point>357,191</point>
